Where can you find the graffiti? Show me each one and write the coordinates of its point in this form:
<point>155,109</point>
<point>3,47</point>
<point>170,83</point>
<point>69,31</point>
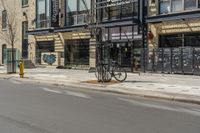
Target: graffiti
<point>49,59</point>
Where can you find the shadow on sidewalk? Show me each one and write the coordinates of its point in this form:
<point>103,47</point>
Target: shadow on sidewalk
<point>106,83</point>
<point>134,81</point>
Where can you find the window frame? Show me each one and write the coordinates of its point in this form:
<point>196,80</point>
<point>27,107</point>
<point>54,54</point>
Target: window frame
<point>47,21</point>
<point>78,14</point>
<point>183,8</point>
<point>4,19</point>
<point>117,12</point>
<point>197,4</point>
<point>159,3</point>
<point>25,3</point>
<point>24,39</point>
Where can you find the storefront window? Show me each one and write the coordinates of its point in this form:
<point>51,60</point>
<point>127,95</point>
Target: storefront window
<point>171,40</point>
<point>114,33</point>
<point>180,40</point>
<point>164,6</point>
<point>77,52</point>
<point>190,4</point>
<point>127,32</point>
<point>192,40</point>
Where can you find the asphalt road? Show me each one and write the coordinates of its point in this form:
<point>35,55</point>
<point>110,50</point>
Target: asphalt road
<point>39,108</point>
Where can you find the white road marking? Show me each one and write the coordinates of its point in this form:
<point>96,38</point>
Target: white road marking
<point>162,107</point>
<point>77,94</point>
<point>54,91</point>
<point>148,105</point>
<point>15,82</point>
<point>71,93</point>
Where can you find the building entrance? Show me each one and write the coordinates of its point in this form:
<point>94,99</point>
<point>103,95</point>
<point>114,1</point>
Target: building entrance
<point>127,54</point>
<point>43,46</point>
<point>77,52</point>
<point>121,52</point>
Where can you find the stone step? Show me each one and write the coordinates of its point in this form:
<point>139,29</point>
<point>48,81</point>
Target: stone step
<point>28,64</point>
<point>59,48</point>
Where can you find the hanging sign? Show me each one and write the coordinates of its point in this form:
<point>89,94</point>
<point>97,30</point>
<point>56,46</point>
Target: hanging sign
<point>54,13</point>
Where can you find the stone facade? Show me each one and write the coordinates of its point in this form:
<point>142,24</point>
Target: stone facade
<point>173,27</point>
<point>167,27</point>
<point>18,14</point>
<point>28,13</point>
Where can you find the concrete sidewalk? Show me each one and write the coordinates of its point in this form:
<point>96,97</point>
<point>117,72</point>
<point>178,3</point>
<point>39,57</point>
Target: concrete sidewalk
<point>173,87</point>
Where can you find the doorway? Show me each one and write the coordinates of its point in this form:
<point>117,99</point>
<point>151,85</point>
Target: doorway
<point>4,53</point>
<point>43,46</point>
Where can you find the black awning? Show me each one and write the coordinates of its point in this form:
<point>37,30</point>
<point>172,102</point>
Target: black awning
<point>70,28</point>
<point>174,16</point>
<point>121,22</point>
<point>40,31</point>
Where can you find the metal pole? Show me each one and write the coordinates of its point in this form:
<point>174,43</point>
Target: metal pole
<point>142,14</point>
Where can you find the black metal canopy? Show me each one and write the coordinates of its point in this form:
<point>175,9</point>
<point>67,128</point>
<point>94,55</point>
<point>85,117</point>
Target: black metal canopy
<point>173,16</point>
<point>40,31</point>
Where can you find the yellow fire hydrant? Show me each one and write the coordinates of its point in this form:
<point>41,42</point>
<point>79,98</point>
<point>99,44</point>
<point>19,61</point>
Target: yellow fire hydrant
<point>21,68</point>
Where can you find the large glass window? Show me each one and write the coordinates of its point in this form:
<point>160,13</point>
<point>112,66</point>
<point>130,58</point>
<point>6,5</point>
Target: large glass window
<point>164,6</point>
<point>24,3</point>
<point>180,40</point>
<point>116,9</point>
<point>127,32</point>
<point>77,11</point>
<point>127,10</point>
<point>114,33</point>
<point>192,39</point>
<point>171,40</point>
<point>177,5</point>
<point>43,13</point>
<point>115,12</point>
<point>84,5</point>
<point>190,4</point>
<point>77,52</point>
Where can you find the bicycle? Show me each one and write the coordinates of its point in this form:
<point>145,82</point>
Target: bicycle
<point>105,72</point>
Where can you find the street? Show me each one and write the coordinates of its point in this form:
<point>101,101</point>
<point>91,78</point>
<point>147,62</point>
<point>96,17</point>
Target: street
<point>27,107</point>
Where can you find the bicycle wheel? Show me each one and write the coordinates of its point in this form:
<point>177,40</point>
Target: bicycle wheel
<point>119,74</point>
<point>97,70</point>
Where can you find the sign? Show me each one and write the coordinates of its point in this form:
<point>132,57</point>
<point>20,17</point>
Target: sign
<point>54,13</point>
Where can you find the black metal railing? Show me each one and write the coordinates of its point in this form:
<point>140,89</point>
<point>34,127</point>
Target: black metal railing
<point>172,60</point>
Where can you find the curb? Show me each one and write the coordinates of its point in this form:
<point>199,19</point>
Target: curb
<point>124,91</point>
